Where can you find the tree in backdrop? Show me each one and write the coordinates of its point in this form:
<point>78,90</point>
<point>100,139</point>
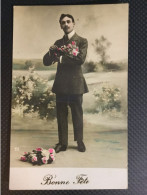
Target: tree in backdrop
<point>101,47</point>
<point>28,64</point>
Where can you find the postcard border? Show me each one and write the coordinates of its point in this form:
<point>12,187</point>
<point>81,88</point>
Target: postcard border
<point>136,96</point>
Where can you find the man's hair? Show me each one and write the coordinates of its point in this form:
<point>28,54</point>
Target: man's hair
<point>66,15</point>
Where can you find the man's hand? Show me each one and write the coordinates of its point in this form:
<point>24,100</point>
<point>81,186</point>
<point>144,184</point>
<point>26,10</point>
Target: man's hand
<point>57,59</point>
<point>53,47</point>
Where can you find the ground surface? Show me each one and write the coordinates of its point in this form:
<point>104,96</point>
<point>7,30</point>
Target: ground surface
<point>106,145</point>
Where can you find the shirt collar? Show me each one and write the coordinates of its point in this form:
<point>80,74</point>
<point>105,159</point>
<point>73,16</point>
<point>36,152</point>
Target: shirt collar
<point>71,34</point>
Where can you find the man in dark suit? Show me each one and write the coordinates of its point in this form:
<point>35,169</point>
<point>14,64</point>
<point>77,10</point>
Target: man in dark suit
<point>69,85</point>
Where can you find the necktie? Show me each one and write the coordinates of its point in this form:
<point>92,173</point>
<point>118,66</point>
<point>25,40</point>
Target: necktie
<point>66,38</point>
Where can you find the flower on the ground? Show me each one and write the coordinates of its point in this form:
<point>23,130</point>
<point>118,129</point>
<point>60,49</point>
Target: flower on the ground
<point>52,157</point>
<point>45,153</point>
<point>23,158</point>
<point>38,149</point>
<point>39,156</point>
<point>51,150</point>
<point>34,159</point>
<point>44,160</point>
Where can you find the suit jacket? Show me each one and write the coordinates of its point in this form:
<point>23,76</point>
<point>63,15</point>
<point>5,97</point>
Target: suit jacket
<point>69,77</point>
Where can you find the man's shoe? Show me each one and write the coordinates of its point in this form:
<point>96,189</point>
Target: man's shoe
<point>60,147</point>
<point>81,146</point>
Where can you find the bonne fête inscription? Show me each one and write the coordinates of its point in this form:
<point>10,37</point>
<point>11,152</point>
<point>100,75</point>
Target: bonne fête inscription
<point>52,180</point>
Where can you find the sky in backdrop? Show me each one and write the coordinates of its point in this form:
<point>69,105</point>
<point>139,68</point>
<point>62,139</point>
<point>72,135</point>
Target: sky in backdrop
<point>36,28</point>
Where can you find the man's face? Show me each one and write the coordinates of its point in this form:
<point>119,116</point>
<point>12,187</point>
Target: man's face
<point>67,25</point>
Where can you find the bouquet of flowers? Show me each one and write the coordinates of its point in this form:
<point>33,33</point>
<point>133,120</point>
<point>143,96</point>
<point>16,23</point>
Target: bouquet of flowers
<point>39,156</point>
<point>70,49</point>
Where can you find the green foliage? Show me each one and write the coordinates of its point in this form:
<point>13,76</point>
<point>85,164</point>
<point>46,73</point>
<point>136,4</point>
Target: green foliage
<point>32,95</point>
<point>108,99</point>
<point>28,64</point>
<point>18,66</point>
<point>22,64</point>
<point>112,66</point>
<point>98,67</point>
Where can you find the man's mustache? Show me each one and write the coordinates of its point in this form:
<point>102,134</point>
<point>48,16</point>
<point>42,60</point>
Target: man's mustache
<point>66,28</point>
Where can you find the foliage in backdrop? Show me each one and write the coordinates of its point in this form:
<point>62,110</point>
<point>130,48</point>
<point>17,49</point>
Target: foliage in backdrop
<point>32,94</point>
<point>108,99</point>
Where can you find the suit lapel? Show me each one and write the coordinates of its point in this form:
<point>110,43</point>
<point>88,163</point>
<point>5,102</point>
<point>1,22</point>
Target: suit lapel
<point>73,38</point>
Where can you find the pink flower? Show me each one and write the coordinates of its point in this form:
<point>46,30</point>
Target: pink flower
<point>69,45</point>
<point>23,158</point>
<point>77,49</point>
<point>74,52</point>
<point>44,160</point>
<point>34,159</point>
<point>52,157</point>
<point>50,150</point>
<point>73,43</point>
<point>25,153</point>
<point>38,149</point>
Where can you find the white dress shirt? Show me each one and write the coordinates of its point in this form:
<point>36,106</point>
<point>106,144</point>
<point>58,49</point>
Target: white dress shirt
<point>70,34</point>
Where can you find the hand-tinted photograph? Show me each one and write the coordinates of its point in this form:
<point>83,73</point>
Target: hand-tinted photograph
<point>69,97</point>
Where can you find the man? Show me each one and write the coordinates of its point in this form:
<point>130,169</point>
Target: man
<point>69,85</point>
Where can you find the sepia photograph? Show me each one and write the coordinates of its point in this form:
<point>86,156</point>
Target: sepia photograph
<point>69,108</point>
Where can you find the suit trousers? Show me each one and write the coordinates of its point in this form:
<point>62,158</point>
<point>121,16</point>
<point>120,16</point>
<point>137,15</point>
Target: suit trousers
<point>75,103</point>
